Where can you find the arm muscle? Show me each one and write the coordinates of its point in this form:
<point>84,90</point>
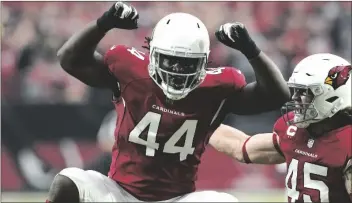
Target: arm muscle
<point>260,148</point>
<point>270,89</point>
<point>79,58</point>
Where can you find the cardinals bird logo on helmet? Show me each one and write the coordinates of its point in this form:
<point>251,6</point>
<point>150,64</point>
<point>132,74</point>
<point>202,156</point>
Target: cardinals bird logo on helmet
<point>338,76</point>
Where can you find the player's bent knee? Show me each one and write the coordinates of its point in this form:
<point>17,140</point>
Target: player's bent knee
<point>63,189</point>
<point>77,175</point>
<point>88,183</point>
<point>61,182</point>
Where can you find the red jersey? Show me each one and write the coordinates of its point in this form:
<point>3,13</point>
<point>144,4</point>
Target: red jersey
<point>158,144</point>
<point>315,167</point>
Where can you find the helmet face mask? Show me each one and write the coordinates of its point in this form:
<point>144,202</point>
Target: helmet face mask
<point>302,105</point>
<point>179,52</point>
<point>177,75</point>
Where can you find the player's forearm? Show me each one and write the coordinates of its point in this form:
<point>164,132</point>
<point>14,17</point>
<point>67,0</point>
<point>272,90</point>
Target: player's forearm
<point>269,80</point>
<point>229,140</point>
<point>260,149</point>
<point>80,47</point>
<point>256,149</point>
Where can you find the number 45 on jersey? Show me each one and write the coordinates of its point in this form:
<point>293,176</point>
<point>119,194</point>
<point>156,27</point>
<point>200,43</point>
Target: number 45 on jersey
<point>152,120</point>
<point>308,170</point>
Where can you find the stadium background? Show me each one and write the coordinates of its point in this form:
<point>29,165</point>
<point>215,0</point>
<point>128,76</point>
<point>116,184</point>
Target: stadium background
<point>50,120</point>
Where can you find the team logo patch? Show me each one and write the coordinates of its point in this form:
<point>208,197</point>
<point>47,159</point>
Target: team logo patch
<point>338,76</point>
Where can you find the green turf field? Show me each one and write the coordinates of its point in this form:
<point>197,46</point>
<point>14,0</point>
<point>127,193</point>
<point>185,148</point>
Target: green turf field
<point>247,196</point>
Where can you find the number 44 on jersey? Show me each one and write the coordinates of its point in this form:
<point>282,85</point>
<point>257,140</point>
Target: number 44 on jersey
<point>152,120</point>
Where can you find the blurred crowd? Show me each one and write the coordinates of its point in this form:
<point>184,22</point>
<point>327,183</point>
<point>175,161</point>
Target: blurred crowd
<point>32,32</point>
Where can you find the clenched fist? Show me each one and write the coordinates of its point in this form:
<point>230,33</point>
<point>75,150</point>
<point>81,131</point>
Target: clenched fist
<point>120,15</point>
<point>235,35</point>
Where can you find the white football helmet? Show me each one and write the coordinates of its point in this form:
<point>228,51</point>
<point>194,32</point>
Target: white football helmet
<point>327,78</point>
<point>179,50</point>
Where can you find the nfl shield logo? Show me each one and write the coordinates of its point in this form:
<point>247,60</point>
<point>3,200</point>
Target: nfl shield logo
<point>310,143</point>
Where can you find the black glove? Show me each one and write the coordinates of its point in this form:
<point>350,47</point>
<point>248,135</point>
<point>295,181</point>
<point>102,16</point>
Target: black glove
<point>235,35</point>
<point>120,15</point>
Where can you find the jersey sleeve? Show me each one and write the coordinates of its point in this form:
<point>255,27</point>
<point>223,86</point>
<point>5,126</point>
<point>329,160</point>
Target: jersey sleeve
<point>125,63</point>
<point>280,127</point>
<point>279,133</point>
<point>113,58</point>
<point>237,78</point>
<point>235,82</point>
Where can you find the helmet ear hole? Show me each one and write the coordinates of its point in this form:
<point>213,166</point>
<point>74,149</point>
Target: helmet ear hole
<point>331,99</point>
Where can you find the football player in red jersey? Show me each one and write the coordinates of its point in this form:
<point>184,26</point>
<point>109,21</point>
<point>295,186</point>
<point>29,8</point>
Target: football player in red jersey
<point>314,135</point>
<point>168,104</point>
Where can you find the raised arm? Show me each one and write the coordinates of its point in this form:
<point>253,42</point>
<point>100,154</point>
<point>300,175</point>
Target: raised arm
<point>258,149</point>
<point>270,90</point>
<point>78,56</point>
